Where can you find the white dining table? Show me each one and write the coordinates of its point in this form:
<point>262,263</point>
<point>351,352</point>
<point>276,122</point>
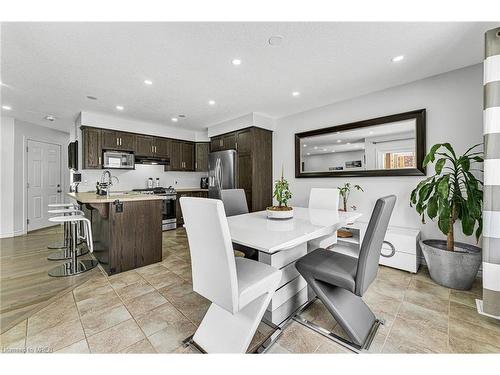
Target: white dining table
<point>280,243</point>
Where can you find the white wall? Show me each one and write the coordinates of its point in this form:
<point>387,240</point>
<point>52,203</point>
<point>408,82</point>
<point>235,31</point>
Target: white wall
<point>137,179</point>
<point>6,177</point>
<point>321,162</point>
<point>252,119</point>
<point>454,114</point>
<point>14,146</point>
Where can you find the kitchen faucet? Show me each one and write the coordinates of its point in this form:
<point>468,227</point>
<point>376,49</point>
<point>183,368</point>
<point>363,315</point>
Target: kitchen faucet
<point>107,184</point>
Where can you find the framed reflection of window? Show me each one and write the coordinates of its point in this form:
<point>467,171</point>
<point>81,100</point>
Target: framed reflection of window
<point>386,146</point>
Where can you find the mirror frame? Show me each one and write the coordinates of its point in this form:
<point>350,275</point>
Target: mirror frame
<point>420,117</point>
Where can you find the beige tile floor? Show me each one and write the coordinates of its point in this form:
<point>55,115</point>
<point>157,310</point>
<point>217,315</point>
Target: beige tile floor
<point>152,309</point>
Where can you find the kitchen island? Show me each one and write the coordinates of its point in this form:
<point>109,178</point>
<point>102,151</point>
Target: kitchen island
<point>126,228</point>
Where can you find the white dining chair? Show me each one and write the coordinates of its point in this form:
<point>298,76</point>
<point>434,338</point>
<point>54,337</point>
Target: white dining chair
<point>326,199</point>
<point>240,289</point>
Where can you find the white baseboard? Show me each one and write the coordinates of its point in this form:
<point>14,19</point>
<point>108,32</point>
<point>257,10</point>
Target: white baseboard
<point>13,234</point>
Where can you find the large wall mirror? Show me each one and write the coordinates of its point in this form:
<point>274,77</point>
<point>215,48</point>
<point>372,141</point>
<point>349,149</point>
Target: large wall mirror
<point>385,146</point>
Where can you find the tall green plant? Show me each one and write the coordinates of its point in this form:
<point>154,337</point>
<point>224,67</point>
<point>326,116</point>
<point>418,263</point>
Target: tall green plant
<point>453,193</point>
<point>282,192</point>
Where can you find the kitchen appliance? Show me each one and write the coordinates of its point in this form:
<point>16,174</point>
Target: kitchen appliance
<point>73,155</point>
<point>150,183</point>
<point>169,205</point>
<point>222,172</point>
<point>204,183</point>
<point>118,160</point>
<point>151,160</point>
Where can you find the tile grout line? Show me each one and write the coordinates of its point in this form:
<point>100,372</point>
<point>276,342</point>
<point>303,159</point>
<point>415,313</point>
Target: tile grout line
<point>80,320</point>
<point>132,315</point>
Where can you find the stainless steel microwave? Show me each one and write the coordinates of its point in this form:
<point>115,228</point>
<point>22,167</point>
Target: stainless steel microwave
<point>118,160</point>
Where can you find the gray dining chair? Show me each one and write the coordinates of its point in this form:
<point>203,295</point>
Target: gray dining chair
<point>340,281</point>
<point>235,203</point>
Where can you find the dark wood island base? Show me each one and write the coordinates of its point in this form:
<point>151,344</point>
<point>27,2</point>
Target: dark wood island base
<point>127,234</point>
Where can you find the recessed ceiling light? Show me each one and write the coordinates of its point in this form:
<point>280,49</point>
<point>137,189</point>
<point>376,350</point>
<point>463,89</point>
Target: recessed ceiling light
<point>119,107</point>
<point>275,40</point>
<point>236,62</point>
<point>324,149</point>
<point>91,97</point>
<point>308,153</point>
<point>339,140</point>
<point>348,143</point>
<point>371,132</point>
<point>50,118</point>
<point>211,102</point>
<point>148,82</point>
<point>7,107</point>
<point>295,93</point>
<point>315,147</point>
<point>333,150</point>
<point>398,58</point>
<point>174,119</point>
<point>305,145</point>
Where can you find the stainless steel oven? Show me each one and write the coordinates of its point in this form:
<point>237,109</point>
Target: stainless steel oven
<point>169,214</point>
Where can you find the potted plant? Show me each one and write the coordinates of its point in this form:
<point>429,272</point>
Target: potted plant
<point>452,194</point>
<point>282,194</point>
<point>345,191</point>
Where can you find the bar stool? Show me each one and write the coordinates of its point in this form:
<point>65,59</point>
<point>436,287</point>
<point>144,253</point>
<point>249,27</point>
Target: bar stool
<point>61,244</point>
<point>75,266</point>
<point>66,252</point>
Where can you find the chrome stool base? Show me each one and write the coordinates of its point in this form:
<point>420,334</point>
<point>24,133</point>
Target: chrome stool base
<point>57,245</point>
<point>68,269</point>
<point>67,254</point>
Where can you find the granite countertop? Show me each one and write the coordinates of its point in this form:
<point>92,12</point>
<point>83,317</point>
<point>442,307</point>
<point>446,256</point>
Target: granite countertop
<point>124,196</point>
<point>186,190</point>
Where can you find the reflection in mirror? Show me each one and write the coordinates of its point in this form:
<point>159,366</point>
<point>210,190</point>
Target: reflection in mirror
<point>385,146</point>
<point>388,146</point>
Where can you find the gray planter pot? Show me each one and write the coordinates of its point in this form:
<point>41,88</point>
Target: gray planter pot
<point>453,269</point>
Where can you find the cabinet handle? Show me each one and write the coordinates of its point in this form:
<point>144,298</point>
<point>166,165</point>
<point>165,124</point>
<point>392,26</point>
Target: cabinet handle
<point>155,150</point>
<point>393,250</point>
<point>236,145</point>
<point>121,141</point>
<point>117,141</point>
<point>195,165</point>
<point>99,160</point>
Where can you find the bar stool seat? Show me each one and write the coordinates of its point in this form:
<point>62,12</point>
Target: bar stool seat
<point>56,205</point>
<point>75,266</point>
<point>61,209</point>
<point>65,253</point>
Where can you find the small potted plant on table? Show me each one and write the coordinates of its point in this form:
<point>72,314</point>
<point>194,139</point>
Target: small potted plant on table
<point>345,191</point>
<point>452,194</point>
<point>282,194</point>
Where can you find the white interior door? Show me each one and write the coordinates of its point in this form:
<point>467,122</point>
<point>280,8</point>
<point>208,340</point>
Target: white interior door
<point>44,182</point>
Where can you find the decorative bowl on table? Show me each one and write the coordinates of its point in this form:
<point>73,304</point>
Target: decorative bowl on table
<point>279,212</point>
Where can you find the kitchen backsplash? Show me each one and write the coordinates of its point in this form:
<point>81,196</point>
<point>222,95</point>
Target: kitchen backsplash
<point>137,179</point>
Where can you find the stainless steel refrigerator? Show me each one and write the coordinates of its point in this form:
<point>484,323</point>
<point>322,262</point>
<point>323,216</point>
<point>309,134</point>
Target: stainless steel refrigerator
<point>221,172</point>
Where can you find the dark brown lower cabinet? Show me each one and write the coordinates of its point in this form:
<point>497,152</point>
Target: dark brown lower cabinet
<point>126,237</point>
<point>194,193</point>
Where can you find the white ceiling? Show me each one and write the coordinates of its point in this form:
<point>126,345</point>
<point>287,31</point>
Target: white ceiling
<point>50,68</point>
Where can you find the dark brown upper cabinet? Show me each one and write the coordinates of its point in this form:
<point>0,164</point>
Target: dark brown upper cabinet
<point>201,157</point>
<point>385,146</point>
<point>144,145</point>
<point>162,149</point>
<point>116,140</point>
<point>223,142</point>
<point>188,156</point>
<point>91,148</point>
